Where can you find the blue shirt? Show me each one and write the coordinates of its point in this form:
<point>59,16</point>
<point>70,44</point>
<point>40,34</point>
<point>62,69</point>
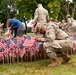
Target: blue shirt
<point>15,23</point>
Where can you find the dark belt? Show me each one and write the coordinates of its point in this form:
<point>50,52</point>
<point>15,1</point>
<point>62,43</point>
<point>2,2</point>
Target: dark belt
<point>62,38</point>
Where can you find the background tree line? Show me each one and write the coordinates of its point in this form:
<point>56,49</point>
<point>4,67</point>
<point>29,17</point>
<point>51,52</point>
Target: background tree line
<point>24,9</point>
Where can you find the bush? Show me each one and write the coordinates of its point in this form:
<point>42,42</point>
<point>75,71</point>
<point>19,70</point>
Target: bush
<point>28,29</point>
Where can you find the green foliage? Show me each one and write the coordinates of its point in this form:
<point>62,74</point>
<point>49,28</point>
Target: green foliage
<point>75,16</point>
<point>8,7</point>
<point>28,29</point>
<point>26,8</point>
<point>6,11</point>
<point>54,7</point>
<point>39,68</point>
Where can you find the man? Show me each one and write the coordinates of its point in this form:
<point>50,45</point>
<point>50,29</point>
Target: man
<point>1,28</point>
<point>63,25</point>
<point>55,40</point>
<point>17,26</point>
<point>41,16</point>
<point>71,23</point>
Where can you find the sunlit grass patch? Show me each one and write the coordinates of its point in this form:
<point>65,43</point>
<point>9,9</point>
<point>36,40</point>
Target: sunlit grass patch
<point>39,68</point>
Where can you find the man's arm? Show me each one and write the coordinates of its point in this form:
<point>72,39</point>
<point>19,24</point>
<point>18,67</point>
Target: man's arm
<point>42,39</point>
<point>1,24</point>
<point>8,23</point>
<point>47,17</point>
<point>35,16</point>
<point>50,36</point>
<point>50,33</point>
<point>14,25</point>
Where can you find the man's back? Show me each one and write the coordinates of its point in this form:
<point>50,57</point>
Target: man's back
<point>42,15</point>
<point>55,32</point>
<point>15,21</point>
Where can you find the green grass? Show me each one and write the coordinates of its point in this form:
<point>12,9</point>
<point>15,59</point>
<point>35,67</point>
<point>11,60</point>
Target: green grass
<point>39,68</point>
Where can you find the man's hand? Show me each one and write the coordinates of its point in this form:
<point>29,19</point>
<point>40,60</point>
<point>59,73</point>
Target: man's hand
<point>38,39</point>
<point>32,22</point>
<point>2,23</point>
<point>9,28</point>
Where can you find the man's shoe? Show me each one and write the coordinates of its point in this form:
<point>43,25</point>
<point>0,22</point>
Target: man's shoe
<point>66,60</point>
<point>53,64</point>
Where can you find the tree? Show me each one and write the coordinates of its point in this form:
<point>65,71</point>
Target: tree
<point>67,7</point>
<point>24,9</point>
<point>8,8</point>
<point>27,8</point>
<point>74,9</point>
<point>54,7</point>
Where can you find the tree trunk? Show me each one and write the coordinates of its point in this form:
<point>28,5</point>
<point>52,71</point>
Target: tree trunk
<point>73,11</point>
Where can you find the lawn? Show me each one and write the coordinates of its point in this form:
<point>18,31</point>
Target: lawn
<point>39,68</point>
